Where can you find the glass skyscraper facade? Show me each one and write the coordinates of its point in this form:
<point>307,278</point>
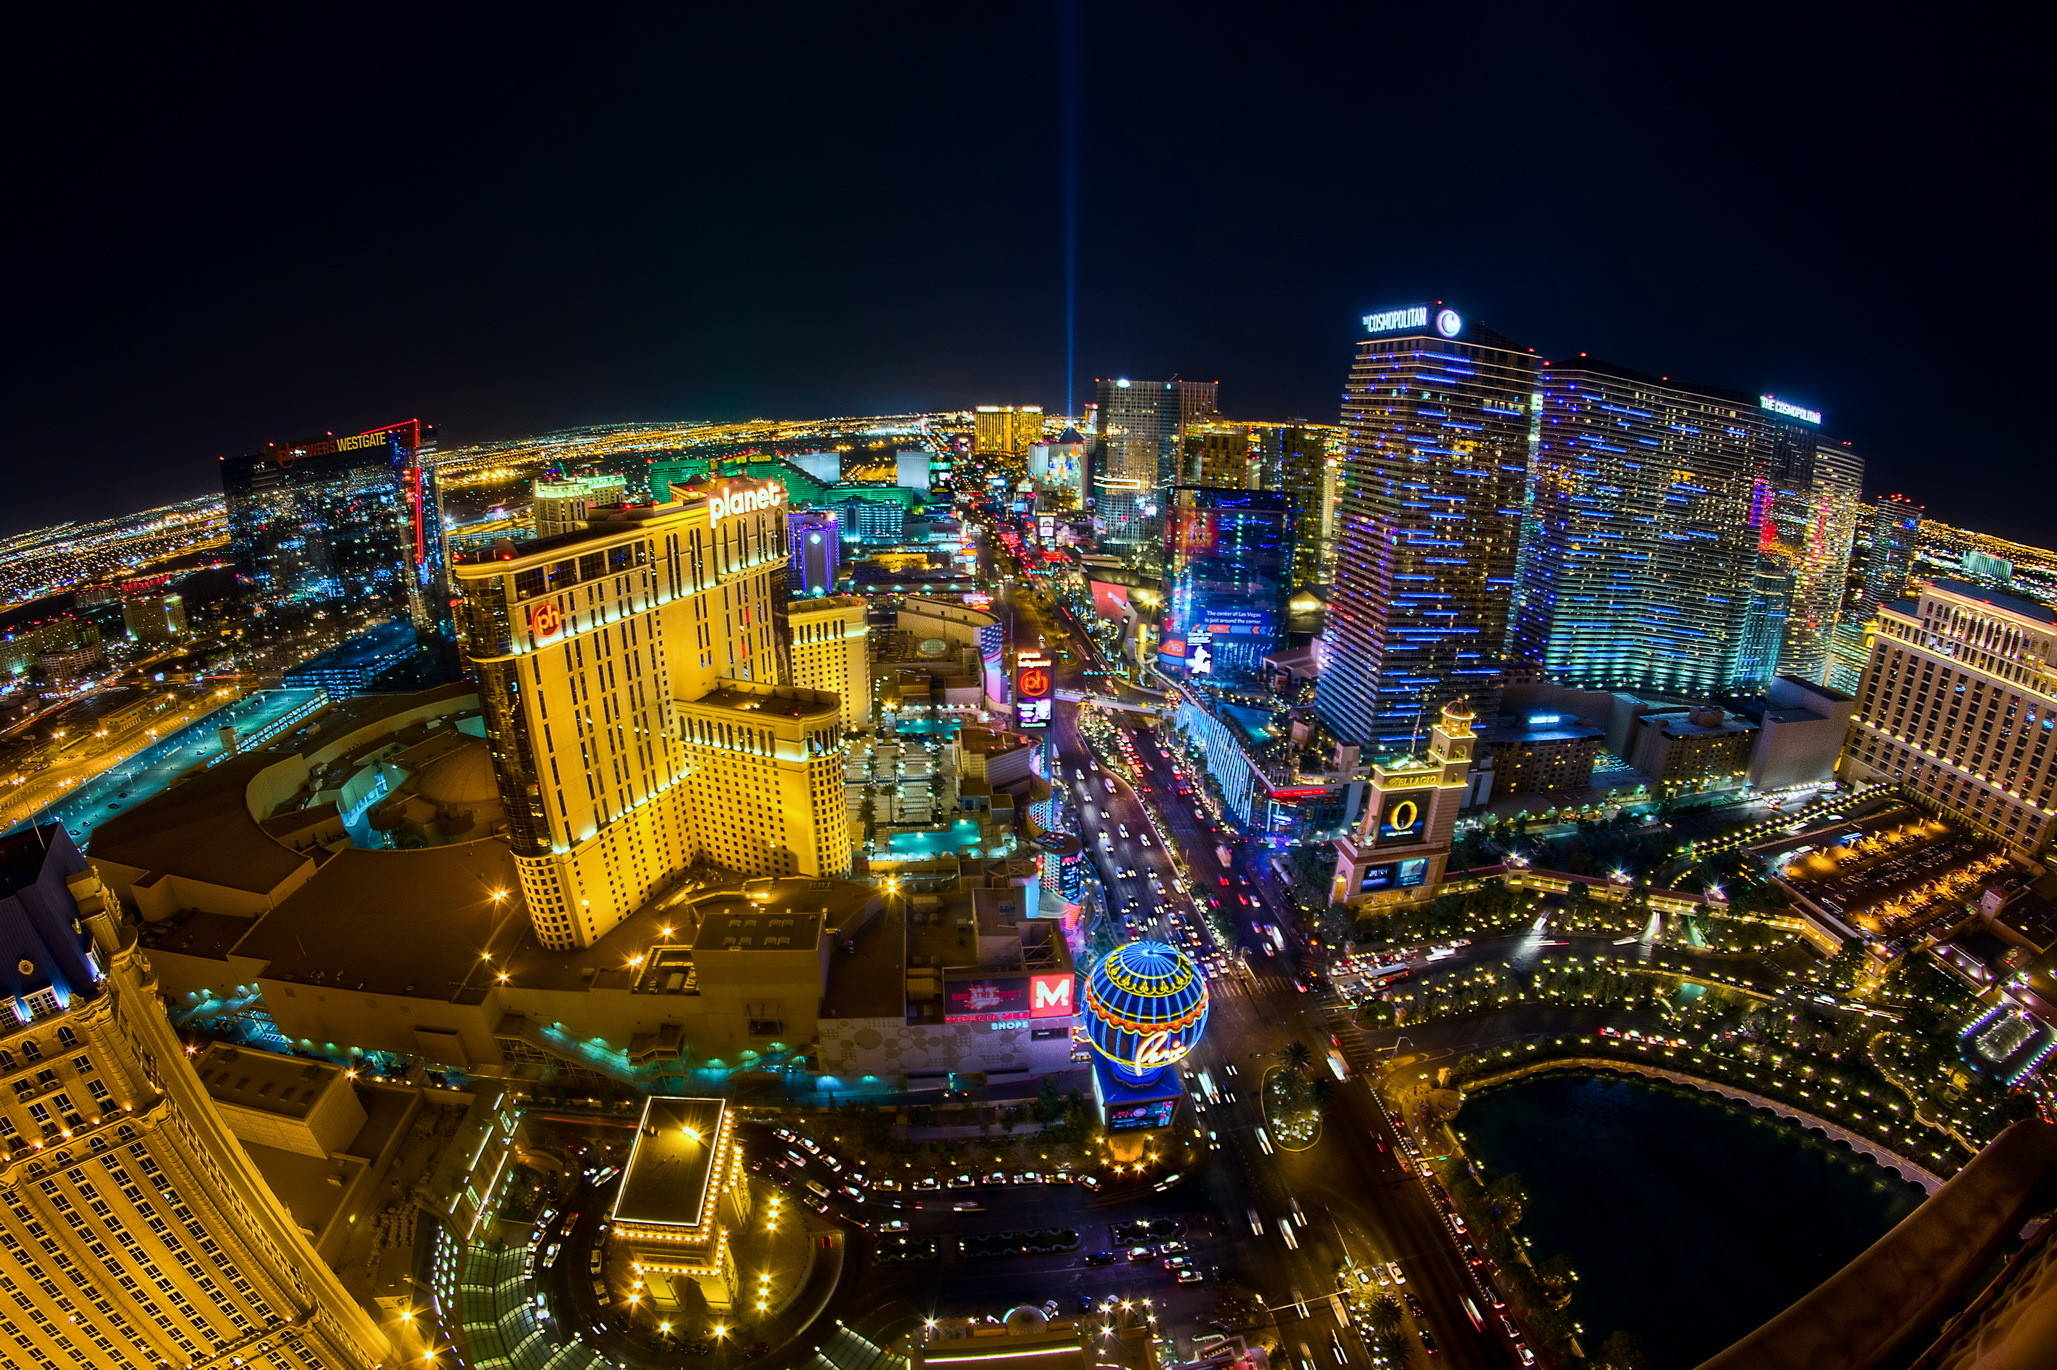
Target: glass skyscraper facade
<point>1438,419</point>
<point>352,521</point>
<point>1293,458</point>
<point>1227,572</point>
<point>1892,530</point>
<point>1682,539</point>
<point>1817,526</point>
<point>1138,446</point>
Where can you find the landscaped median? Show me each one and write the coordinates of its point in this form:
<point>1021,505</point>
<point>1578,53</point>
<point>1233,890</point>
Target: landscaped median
<point>1292,1097</point>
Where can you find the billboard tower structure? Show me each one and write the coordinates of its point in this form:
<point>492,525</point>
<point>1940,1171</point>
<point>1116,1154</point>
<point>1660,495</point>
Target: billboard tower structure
<point>1403,841</point>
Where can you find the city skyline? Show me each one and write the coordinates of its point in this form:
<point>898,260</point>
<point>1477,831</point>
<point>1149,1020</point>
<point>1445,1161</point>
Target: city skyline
<point>1348,651</point>
<point>487,243</point>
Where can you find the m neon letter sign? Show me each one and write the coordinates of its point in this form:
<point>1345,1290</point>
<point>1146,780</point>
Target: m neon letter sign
<point>1050,996</point>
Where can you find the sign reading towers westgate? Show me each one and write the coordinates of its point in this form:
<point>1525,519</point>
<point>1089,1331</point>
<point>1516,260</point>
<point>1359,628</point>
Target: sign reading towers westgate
<point>1394,319</point>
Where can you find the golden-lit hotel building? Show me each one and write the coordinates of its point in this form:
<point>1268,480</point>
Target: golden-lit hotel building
<point>763,781</point>
<point>831,650</point>
<point>587,649</point>
<point>1005,429</point>
<point>134,1229</point>
<point>1959,708</point>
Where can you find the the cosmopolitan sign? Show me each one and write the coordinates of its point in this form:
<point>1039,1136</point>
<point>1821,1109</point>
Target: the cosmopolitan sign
<point>729,500</point>
<point>1393,320</point>
<point>1773,404</point>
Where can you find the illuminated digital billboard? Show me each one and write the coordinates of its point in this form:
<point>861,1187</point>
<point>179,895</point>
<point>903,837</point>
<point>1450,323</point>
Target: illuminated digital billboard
<point>1110,601</point>
<point>1227,563</point>
<point>1402,818</point>
<point>1394,875</point>
<point>1034,680</point>
<point>1137,1117</point>
<point>996,998</point>
<point>986,1000</point>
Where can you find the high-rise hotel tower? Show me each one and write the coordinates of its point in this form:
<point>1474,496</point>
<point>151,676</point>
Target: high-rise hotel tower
<point>1959,708</point>
<point>351,521</point>
<point>1682,539</point>
<point>1438,420</point>
<point>135,1233</point>
<point>1139,441</point>
<point>605,660</point>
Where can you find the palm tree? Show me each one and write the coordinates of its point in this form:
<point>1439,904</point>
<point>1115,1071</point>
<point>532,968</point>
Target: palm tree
<point>1298,1056</point>
<point>1385,1314</point>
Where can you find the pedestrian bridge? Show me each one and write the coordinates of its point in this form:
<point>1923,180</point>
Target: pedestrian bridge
<point>1110,701</point>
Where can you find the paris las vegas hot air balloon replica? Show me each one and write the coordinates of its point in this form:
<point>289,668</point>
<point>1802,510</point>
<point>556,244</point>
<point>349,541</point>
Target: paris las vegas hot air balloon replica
<point>1145,1006</point>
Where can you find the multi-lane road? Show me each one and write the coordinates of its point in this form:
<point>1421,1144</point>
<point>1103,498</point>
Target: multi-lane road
<point>1298,1223</point>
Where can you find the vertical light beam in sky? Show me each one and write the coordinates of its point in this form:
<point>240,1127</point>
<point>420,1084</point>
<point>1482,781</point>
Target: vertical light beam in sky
<point>1068,96</point>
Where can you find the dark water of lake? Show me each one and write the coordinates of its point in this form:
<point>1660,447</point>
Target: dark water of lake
<point>1690,1220</point>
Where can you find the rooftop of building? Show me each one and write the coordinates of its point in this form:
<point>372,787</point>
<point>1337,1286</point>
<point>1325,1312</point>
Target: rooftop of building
<point>265,1081</point>
<point>1508,730</point>
<point>201,827</point>
<point>397,922</point>
<point>671,1168</point>
<point>770,701</point>
<point>824,604</point>
<point>207,936</point>
<point>868,976</point>
<point>1698,722</point>
<point>1616,371</point>
<point>316,1189</point>
<point>2041,614</point>
<point>39,948</point>
<point>577,485</point>
<point>758,929</point>
<point>991,741</point>
<point>606,521</point>
<point>1815,687</point>
<point>1796,716</point>
<point>944,609</point>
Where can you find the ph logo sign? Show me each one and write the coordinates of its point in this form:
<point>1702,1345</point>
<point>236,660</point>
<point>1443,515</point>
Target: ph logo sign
<point>546,620</point>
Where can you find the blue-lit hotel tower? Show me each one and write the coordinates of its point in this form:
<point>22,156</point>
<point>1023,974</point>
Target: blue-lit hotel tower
<point>1227,573</point>
<point>1438,420</point>
<point>1683,539</point>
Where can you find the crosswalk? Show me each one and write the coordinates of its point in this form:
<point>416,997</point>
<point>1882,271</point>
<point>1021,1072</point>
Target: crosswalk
<point>1352,1041</point>
<point>1249,987</point>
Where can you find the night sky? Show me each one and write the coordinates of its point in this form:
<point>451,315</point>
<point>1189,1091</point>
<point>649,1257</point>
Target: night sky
<point>235,227</point>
